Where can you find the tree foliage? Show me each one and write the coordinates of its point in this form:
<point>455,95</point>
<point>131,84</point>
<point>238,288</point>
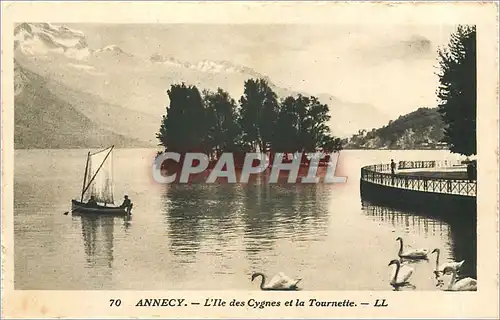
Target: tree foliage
<point>224,132</point>
<point>213,123</point>
<point>457,90</point>
<point>301,126</point>
<point>184,127</point>
<point>259,109</point>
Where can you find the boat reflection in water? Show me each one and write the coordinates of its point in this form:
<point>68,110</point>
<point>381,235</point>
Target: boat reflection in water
<point>458,234</point>
<point>100,246</point>
<point>97,232</point>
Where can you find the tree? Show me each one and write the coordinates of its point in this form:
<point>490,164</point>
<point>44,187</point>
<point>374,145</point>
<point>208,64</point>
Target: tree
<point>184,127</point>
<point>457,90</point>
<point>286,137</point>
<point>212,124</point>
<point>259,109</point>
<point>301,126</point>
<point>331,144</point>
<point>315,129</point>
<point>224,134</point>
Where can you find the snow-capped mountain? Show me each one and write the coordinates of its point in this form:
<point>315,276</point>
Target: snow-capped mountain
<point>126,94</point>
<point>39,39</point>
<point>207,66</point>
<point>110,48</point>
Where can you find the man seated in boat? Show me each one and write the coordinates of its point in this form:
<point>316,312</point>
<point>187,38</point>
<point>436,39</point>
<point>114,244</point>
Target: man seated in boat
<point>127,204</point>
<point>92,203</point>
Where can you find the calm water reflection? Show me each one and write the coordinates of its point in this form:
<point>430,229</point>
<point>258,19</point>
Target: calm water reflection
<point>459,235</point>
<point>213,237</point>
<point>97,233</point>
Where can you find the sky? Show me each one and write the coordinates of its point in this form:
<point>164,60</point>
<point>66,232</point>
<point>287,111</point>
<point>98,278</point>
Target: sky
<point>390,67</point>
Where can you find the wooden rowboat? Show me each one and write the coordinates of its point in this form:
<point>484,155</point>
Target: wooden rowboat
<point>81,207</point>
<point>98,185</point>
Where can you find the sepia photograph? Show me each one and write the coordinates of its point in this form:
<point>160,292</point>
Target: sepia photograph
<point>82,89</point>
<point>247,157</point>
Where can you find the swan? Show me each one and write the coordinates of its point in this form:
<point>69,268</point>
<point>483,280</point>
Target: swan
<point>413,253</point>
<point>465,284</point>
<point>439,268</point>
<point>278,282</point>
<point>401,275</point>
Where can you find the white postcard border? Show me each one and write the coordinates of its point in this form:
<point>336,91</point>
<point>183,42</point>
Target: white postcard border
<point>88,304</point>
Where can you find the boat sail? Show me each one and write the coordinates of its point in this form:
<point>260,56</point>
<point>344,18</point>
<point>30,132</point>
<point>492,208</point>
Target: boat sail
<point>100,177</point>
<point>98,184</point>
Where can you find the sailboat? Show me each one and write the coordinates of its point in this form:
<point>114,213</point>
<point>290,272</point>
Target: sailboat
<point>98,184</point>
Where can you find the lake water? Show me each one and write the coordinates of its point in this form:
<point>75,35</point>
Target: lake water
<point>213,237</point>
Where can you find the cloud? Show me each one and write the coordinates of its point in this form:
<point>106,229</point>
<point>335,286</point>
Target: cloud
<point>384,49</point>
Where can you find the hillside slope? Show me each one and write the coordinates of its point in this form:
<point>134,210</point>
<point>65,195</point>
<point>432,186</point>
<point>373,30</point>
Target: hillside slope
<point>43,120</point>
<point>421,129</point>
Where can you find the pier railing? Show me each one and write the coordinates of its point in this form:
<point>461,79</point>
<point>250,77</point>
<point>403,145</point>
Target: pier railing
<point>380,174</point>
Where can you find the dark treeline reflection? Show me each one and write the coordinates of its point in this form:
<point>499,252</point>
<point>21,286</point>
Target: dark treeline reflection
<point>458,233</point>
<point>274,211</point>
<point>257,212</point>
<point>464,244</point>
<point>185,207</point>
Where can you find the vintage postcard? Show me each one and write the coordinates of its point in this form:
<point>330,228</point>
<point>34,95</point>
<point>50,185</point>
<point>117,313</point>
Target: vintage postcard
<point>250,160</point>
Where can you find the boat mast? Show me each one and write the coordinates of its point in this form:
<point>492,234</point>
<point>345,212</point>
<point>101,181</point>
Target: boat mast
<point>97,171</point>
<point>85,176</point>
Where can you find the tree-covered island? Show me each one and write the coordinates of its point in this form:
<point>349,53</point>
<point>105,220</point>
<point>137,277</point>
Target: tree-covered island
<point>214,123</point>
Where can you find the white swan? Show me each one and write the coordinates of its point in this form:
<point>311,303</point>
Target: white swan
<point>278,282</point>
<point>439,268</point>
<point>465,284</point>
<point>413,253</point>
<point>401,275</point>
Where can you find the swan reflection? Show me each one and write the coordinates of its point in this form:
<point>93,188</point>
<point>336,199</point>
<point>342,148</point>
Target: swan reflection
<point>458,235</point>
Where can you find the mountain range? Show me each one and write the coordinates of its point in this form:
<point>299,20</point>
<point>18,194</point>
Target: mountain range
<point>68,95</point>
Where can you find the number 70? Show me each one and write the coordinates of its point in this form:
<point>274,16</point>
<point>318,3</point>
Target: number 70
<point>116,303</point>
